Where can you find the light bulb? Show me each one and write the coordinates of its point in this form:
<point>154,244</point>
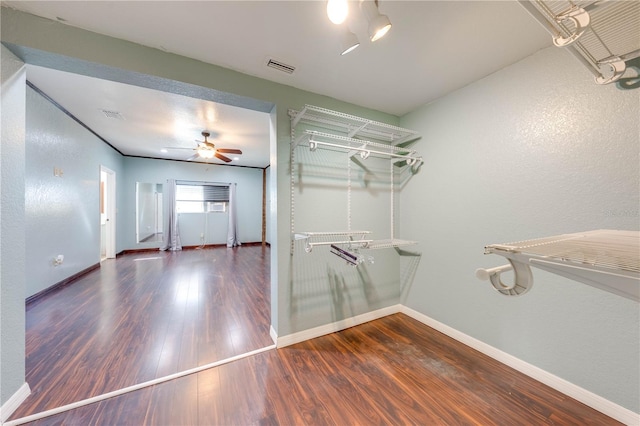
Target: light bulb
<point>206,153</point>
<point>337,11</point>
<point>378,27</point>
<point>379,24</point>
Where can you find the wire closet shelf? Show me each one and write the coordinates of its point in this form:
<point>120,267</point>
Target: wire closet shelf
<point>602,34</point>
<point>355,136</point>
<point>605,259</point>
<point>351,125</point>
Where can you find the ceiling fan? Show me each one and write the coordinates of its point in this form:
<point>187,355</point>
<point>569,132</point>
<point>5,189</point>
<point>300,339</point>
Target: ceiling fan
<point>208,150</point>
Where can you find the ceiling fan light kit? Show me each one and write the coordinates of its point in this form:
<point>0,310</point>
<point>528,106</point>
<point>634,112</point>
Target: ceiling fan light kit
<point>208,150</point>
<point>378,24</point>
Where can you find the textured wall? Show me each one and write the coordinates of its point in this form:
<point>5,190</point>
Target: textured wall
<point>12,225</point>
<point>62,213</point>
<point>534,150</point>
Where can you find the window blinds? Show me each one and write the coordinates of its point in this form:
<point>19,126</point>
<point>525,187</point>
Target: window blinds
<point>202,192</point>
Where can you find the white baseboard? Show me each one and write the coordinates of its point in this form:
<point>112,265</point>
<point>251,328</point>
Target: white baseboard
<point>312,333</point>
<point>588,398</point>
<point>14,402</point>
<point>273,334</point>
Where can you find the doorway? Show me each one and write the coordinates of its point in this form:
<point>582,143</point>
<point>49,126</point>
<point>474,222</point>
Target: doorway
<point>107,213</point>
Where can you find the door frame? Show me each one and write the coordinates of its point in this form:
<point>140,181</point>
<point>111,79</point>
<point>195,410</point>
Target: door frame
<point>110,227</point>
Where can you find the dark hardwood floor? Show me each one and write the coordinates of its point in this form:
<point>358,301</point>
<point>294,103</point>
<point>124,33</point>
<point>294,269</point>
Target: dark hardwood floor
<point>392,371</point>
<point>142,316</point>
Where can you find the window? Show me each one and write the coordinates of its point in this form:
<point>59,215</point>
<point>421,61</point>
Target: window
<point>201,198</point>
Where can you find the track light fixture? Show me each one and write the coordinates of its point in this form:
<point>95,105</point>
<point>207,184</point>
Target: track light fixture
<point>348,42</point>
<point>379,25</point>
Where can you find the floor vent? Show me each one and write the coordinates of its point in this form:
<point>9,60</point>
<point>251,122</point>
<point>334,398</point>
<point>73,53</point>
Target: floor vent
<point>112,114</point>
<point>281,66</point>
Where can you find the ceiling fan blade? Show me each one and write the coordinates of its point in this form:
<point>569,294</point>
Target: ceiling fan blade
<point>229,151</point>
<point>222,157</point>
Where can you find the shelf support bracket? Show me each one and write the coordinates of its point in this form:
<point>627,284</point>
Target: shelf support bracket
<point>298,116</point>
<point>300,139</point>
<point>357,130</point>
<point>579,18</point>
<point>522,282</point>
<point>610,71</point>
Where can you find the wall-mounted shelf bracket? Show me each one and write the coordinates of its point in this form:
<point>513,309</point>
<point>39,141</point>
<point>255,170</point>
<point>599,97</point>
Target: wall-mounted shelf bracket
<point>522,281</point>
<point>611,69</point>
<point>303,138</point>
<point>575,17</point>
<point>605,259</point>
<point>601,34</point>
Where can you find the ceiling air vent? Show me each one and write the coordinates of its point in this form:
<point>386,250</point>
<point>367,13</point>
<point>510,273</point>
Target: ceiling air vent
<point>112,114</point>
<point>280,66</point>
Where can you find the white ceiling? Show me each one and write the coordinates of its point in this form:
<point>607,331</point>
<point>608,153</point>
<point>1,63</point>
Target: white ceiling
<point>150,120</point>
<point>433,48</point>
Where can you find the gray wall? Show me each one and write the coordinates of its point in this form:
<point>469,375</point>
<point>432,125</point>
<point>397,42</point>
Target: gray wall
<point>249,196</point>
<point>63,213</point>
<point>12,226</point>
<point>534,150</point>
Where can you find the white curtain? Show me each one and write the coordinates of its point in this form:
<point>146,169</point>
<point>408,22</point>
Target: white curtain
<point>232,231</point>
<point>171,232</point>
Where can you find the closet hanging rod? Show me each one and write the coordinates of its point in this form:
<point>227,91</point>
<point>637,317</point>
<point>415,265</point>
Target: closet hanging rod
<point>303,235</point>
<point>389,243</point>
<point>411,160</point>
<point>354,141</point>
<point>328,243</point>
<point>362,243</point>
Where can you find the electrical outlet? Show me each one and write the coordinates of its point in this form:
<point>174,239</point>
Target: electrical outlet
<point>202,235</point>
